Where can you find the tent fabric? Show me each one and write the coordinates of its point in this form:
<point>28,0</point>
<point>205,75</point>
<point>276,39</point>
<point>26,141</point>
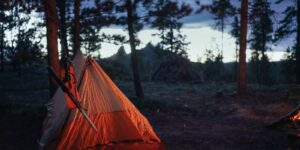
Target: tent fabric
<point>120,125</point>
<point>71,84</point>
<point>57,108</point>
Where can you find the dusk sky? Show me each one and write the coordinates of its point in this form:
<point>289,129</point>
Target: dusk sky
<point>200,32</point>
<point>202,35</point>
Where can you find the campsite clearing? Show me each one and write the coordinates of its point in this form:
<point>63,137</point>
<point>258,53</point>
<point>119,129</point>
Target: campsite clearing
<point>184,116</point>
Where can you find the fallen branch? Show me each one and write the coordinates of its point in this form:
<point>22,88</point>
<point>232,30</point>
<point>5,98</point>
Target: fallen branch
<point>285,119</point>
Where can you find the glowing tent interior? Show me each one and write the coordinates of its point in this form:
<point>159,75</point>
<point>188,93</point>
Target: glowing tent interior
<point>120,125</point>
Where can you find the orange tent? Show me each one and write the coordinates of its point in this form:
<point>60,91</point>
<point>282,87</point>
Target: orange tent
<point>120,125</point>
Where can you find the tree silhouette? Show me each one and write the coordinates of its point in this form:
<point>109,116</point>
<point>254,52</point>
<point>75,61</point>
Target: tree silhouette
<point>221,9</point>
<point>261,35</point>
<point>5,20</point>
<point>62,7</point>
<point>235,32</point>
<point>52,49</point>
<point>287,26</point>
<point>165,16</point>
<point>76,38</point>
<point>287,66</point>
<point>93,19</point>
<point>132,41</point>
<point>243,45</point>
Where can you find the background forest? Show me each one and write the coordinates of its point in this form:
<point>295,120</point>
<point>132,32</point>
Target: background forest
<point>23,43</point>
<point>186,101</point>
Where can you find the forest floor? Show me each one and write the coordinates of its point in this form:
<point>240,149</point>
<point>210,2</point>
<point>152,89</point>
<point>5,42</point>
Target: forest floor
<point>185,116</point>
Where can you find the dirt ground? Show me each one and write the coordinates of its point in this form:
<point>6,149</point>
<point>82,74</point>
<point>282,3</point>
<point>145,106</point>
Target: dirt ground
<point>185,116</point>
<point>198,119</point>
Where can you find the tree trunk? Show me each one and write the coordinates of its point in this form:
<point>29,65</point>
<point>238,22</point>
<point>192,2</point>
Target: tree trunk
<point>243,45</point>
<point>172,40</point>
<point>51,24</point>
<point>257,70</point>
<point>76,44</point>
<point>262,73</point>
<point>63,28</point>
<point>235,76</point>
<point>298,43</point>
<point>2,47</point>
<point>134,62</point>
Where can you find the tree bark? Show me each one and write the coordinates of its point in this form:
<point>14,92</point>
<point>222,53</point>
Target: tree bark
<point>242,76</point>
<point>172,40</point>
<point>2,47</point>
<point>63,28</point>
<point>51,24</point>
<point>76,44</point>
<point>298,43</point>
<point>134,62</point>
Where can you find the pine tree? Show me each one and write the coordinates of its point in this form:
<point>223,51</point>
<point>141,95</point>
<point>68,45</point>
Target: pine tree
<point>5,19</point>
<point>134,22</point>
<point>221,9</point>
<point>23,46</point>
<point>132,41</point>
<point>214,68</point>
<point>93,19</point>
<point>235,32</point>
<point>62,7</point>
<point>209,65</point>
<point>261,35</point>
<point>20,43</point>
<point>242,89</point>
<point>287,66</point>
<point>287,26</point>
<point>165,16</point>
<point>52,49</point>
<point>77,27</point>
<point>91,40</point>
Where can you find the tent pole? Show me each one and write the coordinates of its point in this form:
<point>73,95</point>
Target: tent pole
<point>72,97</point>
